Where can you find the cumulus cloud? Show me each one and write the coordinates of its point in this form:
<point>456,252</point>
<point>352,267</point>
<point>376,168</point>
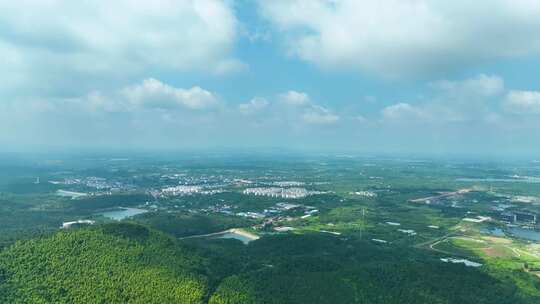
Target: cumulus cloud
<point>255,105</point>
<point>523,102</point>
<point>152,93</point>
<point>482,85</point>
<point>154,112</point>
<point>300,104</point>
<point>360,118</point>
<point>397,38</point>
<point>452,101</point>
<point>402,111</point>
<point>295,98</point>
<point>319,115</point>
<point>68,45</point>
<point>147,113</point>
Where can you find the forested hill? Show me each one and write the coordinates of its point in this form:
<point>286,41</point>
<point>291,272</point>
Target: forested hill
<point>129,263</point>
<point>115,263</point>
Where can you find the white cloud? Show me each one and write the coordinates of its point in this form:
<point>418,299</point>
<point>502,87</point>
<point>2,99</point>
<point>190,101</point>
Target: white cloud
<point>147,113</point>
<point>255,105</point>
<point>524,102</point>
<point>402,111</point>
<point>481,85</point>
<point>466,100</point>
<point>370,99</point>
<point>292,108</point>
<point>152,93</point>
<point>398,38</point>
<point>360,118</point>
<point>70,44</point>
<point>469,100</point>
<point>319,115</point>
<point>300,104</point>
<point>230,66</point>
<point>295,98</point>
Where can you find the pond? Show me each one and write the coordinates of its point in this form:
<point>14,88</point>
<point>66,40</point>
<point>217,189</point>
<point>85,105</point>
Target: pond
<point>122,213</point>
<point>500,180</point>
<point>527,234</point>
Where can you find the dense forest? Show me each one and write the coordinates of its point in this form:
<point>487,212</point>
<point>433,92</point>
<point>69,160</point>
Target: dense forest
<point>117,263</point>
<point>130,263</point>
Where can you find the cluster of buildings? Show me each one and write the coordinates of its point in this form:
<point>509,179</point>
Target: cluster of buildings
<point>408,231</point>
<point>509,212</point>
<point>185,190</point>
<point>369,194</point>
<point>98,183</point>
<point>240,181</point>
<point>288,184</point>
<point>275,213</point>
<point>525,199</point>
<point>275,216</point>
<point>519,217</point>
<point>181,190</point>
<point>501,207</point>
<point>253,215</point>
<point>173,176</point>
<point>67,181</point>
<point>206,181</point>
<point>280,192</point>
<point>279,208</point>
<point>101,184</point>
<point>220,208</point>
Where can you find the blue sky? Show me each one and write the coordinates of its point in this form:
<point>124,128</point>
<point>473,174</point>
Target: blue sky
<point>409,76</point>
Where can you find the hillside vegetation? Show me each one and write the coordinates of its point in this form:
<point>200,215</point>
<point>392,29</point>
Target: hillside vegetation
<point>130,263</point>
<point>115,263</point>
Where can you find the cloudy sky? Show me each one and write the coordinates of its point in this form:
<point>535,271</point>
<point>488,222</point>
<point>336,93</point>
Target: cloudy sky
<point>407,76</point>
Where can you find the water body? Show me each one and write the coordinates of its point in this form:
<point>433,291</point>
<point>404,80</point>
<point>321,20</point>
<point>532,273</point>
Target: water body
<point>527,234</point>
<point>499,180</point>
<point>122,213</point>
